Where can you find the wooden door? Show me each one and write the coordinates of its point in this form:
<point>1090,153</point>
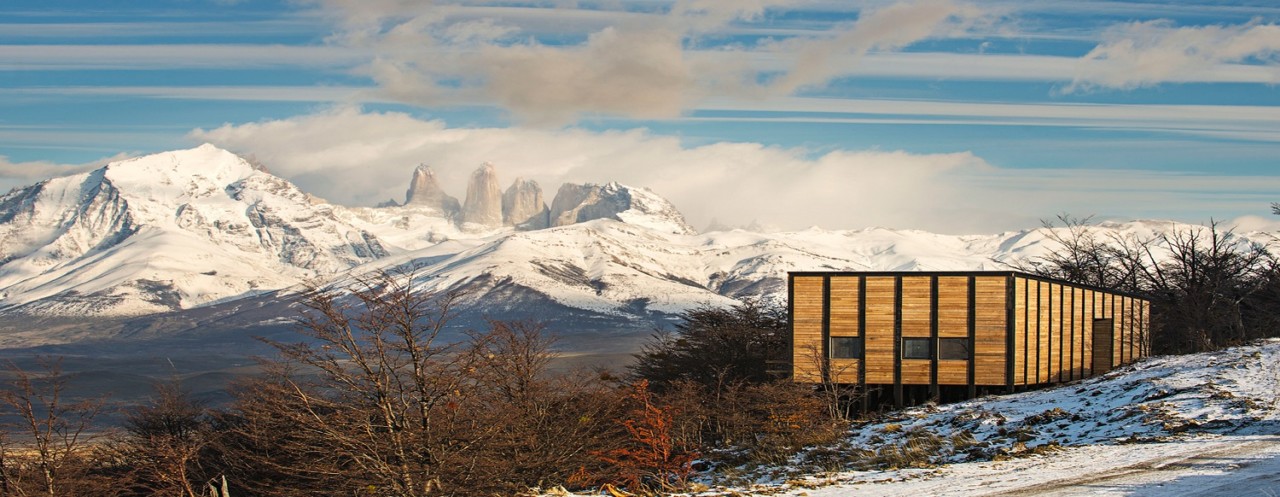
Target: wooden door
<point>1103,330</point>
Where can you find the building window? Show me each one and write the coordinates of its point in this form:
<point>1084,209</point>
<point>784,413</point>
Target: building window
<point>915,348</point>
<point>952,349</point>
<point>846,348</point>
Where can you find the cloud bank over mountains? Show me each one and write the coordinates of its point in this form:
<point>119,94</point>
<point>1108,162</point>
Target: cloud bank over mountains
<point>358,157</point>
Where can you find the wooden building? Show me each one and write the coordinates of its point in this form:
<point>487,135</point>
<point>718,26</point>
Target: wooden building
<point>913,336</point>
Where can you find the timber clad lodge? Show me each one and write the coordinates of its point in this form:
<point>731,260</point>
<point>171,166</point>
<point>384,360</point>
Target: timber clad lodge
<point>913,336</point>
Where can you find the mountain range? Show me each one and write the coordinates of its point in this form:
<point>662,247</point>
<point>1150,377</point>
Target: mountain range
<point>192,239</point>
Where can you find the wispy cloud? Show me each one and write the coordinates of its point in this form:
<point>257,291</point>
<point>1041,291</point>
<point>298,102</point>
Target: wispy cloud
<point>14,174</point>
<point>553,64</point>
<point>638,65</point>
<point>1239,122</point>
<point>323,94</point>
<point>1046,68</point>
<point>884,30</point>
<point>1139,9</point>
<point>153,29</point>
<point>81,143</point>
<point>1148,53</point>
<point>174,56</point>
<point>1221,121</point>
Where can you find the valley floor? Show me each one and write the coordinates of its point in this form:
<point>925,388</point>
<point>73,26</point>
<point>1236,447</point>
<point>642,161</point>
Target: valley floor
<point>1209,465</point>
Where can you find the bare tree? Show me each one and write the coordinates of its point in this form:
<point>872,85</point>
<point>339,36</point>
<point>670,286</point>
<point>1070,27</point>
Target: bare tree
<point>838,397</point>
<point>1111,261</point>
<point>716,347</point>
<point>1204,285</point>
<point>1208,287</point>
<point>53,430</point>
<point>165,447</point>
<point>545,427</point>
<point>379,402</point>
<point>375,405</point>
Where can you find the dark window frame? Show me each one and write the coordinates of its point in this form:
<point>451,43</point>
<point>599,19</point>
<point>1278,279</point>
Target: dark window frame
<point>906,350</point>
<point>857,348</point>
<point>943,349</point>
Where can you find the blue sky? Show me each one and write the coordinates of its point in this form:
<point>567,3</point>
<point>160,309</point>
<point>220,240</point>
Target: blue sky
<point>934,114</point>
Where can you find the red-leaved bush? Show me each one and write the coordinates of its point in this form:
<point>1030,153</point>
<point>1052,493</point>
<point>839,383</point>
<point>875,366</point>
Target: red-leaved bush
<point>651,456</point>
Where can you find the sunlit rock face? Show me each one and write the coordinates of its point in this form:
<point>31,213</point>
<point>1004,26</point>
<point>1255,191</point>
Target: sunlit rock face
<point>483,205</point>
<point>523,206</point>
<point>424,190</point>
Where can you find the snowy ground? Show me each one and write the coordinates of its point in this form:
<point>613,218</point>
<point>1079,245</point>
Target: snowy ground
<point>1206,465</point>
<point>1200,425</point>
<point>1205,424</point>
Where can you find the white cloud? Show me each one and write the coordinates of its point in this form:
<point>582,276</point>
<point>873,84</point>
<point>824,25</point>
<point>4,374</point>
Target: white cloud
<point>634,72</point>
<point>356,157</point>
<point>477,31</point>
<point>886,29</point>
<point>1148,53</point>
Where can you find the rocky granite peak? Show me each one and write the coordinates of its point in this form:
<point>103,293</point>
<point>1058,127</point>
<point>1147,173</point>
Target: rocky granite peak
<point>424,190</point>
<point>581,203</point>
<point>524,207</point>
<point>483,205</point>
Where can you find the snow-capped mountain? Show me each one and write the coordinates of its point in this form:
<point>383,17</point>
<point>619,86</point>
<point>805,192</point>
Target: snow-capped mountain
<point>184,229</point>
<point>632,273</point>
<point>187,229</point>
<point>167,231</point>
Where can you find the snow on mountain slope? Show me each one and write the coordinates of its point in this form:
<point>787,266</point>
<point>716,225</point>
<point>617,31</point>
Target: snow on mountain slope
<point>601,266</point>
<point>630,271</point>
<point>639,206</point>
<point>183,229</point>
<point>410,227</point>
<point>648,209</point>
<point>166,231</point>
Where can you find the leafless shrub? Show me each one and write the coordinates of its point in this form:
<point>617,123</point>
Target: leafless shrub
<point>378,402</point>
<point>762,423</point>
<point>46,450</point>
<point>165,448</point>
<point>917,451</point>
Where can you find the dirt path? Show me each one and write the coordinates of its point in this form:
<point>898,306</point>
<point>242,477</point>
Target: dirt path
<point>1228,464</point>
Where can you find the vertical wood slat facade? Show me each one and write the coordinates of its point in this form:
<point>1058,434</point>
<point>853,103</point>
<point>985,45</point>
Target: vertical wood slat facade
<point>1018,329</point>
